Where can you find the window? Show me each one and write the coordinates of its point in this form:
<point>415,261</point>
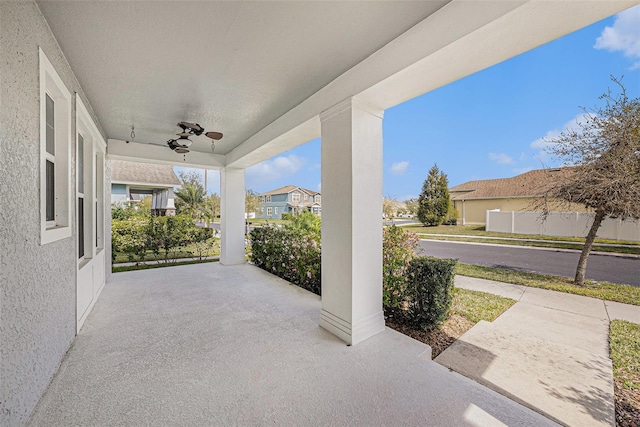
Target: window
<point>80,219</point>
<point>306,197</point>
<point>99,196</point>
<point>275,210</point>
<point>268,211</point>
<point>295,197</point>
<point>317,199</point>
<point>55,155</point>
<point>267,198</point>
<point>90,148</point>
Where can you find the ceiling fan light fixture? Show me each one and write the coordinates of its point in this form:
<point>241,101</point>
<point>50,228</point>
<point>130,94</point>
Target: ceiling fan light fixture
<point>181,150</point>
<point>184,141</point>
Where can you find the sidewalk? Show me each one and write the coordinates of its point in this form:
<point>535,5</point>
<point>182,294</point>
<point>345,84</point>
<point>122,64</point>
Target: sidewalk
<point>549,351</point>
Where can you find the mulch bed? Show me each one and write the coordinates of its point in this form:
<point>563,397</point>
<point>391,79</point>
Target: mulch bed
<point>440,338</point>
<point>627,406</point>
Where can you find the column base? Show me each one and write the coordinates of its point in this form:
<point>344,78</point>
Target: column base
<point>352,333</point>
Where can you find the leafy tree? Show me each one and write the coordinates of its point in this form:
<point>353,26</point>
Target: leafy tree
<point>604,155</point>
<point>412,205</point>
<point>252,202</point>
<point>433,202</point>
<point>211,207</point>
<point>190,197</point>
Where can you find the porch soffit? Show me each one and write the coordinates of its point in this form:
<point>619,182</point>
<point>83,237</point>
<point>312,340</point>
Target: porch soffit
<point>233,67</point>
<point>262,72</point>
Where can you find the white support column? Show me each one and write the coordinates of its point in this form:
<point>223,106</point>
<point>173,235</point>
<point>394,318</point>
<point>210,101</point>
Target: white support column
<point>232,216</point>
<point>352,221</point>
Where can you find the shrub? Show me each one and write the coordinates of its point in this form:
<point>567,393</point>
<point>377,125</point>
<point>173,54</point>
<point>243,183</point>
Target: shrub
<point>287,216</point>
<point>306,224</point>
<point>398,248</point>
<point>288,253</point>
<point>130,237</point>
<point>430,282</point>
<point>167,234</point>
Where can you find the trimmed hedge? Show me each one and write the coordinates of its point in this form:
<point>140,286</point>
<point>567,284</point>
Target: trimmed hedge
<point>290,255</point>
<point>162,235</point>
<point>430,284</point>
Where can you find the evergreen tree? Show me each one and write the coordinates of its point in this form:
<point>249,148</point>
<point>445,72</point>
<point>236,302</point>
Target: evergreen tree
<point>433,202</point>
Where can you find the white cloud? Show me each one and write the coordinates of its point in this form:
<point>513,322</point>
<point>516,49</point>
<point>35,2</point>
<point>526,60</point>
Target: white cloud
<point>399,168</point>
<point>273,169</point>
<point>542,144</point>
<point>623,36</point>
<point>501,158</point>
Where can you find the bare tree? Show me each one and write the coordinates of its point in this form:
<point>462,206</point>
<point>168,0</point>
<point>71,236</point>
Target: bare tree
<point>604,155</point>
<point>389,207</point>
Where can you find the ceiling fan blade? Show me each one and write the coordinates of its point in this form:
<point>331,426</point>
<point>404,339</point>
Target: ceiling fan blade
<point>193,126</point>
<point>214,135</point>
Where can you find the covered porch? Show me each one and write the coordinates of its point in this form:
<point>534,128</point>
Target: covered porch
<point>86,83</point>
<point>209,344</point>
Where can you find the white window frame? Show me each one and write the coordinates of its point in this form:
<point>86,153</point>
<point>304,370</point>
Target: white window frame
<point>295,197</point>
<point>93,166</point>
<point>267,198</point>
<point>317,199</point>
<point>51,84</point>
<point>269,211</point>
<point>306,197</point>
<point>275,210</point>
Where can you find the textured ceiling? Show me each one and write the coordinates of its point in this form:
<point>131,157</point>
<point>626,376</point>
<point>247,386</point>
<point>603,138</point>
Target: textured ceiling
<point>233,67</point>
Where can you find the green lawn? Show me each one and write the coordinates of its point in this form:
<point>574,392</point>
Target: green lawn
<point>601,290</point>
<point>477,306</point>
<point>624,344</point>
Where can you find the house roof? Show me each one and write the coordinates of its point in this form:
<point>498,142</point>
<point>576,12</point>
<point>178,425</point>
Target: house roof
<point>529,184</point>
<point>143,173</point>
<point>288,189</point>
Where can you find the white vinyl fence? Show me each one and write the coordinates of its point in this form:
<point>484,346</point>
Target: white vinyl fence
<point>567,224</point>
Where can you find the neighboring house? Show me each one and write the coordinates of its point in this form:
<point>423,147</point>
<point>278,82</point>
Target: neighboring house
<point>473,199</point>
<point>289,199</point>
<point>132,181</point>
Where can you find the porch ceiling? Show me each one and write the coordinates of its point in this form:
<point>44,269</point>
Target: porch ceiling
<point>233,67</point>
<point>262,72</point>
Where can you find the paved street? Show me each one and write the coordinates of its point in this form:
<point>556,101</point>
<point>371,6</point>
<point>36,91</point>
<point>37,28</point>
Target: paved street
<point>616,269</point>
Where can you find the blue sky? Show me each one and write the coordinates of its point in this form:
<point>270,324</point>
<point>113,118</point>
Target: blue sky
<point>491,124</point>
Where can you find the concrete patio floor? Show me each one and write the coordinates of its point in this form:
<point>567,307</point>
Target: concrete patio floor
<point>207,344</point>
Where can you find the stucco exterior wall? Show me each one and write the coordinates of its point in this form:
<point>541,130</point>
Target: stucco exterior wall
<point>38,284</point>
<point>475,210</point>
